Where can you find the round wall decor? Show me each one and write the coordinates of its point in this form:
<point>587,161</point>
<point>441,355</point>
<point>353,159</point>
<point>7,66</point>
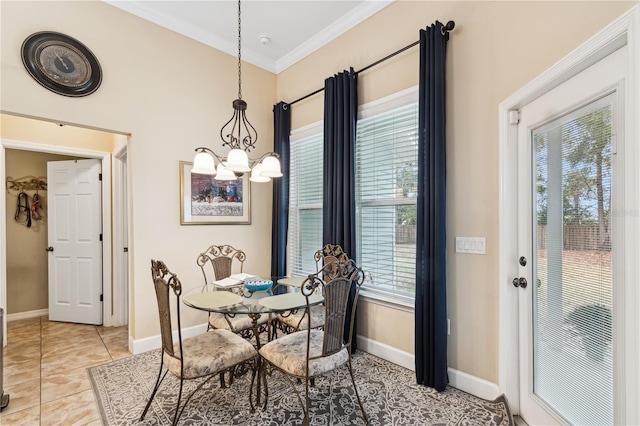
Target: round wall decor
<point>61,64</point>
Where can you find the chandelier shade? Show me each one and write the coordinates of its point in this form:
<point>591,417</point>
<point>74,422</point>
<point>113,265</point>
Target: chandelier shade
<point>222,173</point>
<point>271,167</point>
<point>204,164</point>
<point>256,174</point>
<point>237,161</point>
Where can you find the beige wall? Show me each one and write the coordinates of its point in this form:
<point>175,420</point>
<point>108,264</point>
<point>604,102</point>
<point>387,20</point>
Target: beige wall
<point>495,49</point>
<point>171,106</point>
<point>171,94</point>
<point>27,273</point>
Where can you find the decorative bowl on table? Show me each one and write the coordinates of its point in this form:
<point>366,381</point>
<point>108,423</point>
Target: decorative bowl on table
<point>258,285</point>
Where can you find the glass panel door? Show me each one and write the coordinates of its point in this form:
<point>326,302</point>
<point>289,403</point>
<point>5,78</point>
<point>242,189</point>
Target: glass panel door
<point>572,272</point>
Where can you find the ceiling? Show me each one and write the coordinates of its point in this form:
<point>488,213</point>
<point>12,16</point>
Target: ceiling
<point>295,28</point>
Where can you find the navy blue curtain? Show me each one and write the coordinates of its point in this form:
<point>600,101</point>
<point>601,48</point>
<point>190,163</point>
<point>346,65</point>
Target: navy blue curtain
<point>280,214</point>
<point>339,208</point>
<point>431,301</point>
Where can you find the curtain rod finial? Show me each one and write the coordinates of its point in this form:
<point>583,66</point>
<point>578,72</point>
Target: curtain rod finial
<point>450,26</point>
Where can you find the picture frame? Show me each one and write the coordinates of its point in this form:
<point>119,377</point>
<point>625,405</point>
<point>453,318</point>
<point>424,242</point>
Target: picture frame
<point>206,201</point>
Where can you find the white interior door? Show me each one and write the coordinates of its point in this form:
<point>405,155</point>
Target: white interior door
<point>75,241</point>
<point>568,175</point>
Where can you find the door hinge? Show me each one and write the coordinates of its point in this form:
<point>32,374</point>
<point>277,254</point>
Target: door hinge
<point>514,117</point>
<point>100,237</point>
<point>100,176</point>
<point>126,249</point>
<point>101,298</point>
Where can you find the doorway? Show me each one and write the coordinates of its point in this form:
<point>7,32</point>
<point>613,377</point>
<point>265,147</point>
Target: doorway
<point>59,143</point>
<point>567,321</point>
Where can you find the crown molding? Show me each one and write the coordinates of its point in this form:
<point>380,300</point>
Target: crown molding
<point>339,27</point>
<point>180,26</point>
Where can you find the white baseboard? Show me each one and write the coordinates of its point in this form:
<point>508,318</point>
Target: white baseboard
<point>457,379</point>
<point>27,314</point>
<point>155,342</point>
<point>474,385</point>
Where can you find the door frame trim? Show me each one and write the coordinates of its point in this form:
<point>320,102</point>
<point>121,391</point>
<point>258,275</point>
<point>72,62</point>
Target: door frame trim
<point>624,30</point>
<point>121,208</point>
<point>105,157</point>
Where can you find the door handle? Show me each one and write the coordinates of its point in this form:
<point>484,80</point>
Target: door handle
<point>49,248</point>
<point>519,282</point>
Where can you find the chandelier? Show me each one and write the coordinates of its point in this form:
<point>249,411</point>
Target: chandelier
<point>240,135</point>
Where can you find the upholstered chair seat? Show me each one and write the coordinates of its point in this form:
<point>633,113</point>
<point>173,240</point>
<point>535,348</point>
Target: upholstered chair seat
<point>208,353</point>
<point>300,321</point>
<point>289,353</point>
<point>235,324</point>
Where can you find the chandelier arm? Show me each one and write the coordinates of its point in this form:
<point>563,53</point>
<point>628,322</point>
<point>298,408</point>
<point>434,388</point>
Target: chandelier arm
<point>230,139</point>
<point>249,141</point>
<point>262,157</point>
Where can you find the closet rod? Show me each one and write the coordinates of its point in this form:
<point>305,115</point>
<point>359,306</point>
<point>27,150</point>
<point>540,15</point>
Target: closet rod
<point>445,29</point>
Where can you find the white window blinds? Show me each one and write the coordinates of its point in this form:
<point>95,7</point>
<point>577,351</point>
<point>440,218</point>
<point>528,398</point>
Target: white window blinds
<point>305,203</point>
<point>386,186</point>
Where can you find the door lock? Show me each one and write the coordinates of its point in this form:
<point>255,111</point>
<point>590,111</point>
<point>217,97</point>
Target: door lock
<point>519,282</point>
<point>49,248</point>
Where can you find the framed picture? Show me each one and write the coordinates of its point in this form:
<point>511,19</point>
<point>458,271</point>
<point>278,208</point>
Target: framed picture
<point>206,201</point>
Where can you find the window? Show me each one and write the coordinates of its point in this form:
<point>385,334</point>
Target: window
<point>305,199</point>
<point>386,193</point>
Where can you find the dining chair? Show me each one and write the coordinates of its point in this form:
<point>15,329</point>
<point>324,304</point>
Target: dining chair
<point>216,263</point>
<point>204,355</point>
<point>290,322</point>
<point>310,353</point>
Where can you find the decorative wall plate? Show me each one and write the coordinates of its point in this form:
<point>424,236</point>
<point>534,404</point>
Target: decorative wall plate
<point>61,64</point>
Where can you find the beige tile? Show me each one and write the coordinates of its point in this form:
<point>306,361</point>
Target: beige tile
<point>64,384</point>
<point>27,417</point>
<point>18,352</point>
<point>85,358</point>
<point>68,332</point>
<point>22,396</point>
<point>23,323</point>
<point>95,423</point>
<point>76,409</point>
<point>70,347</point>
<point>23,335</point>
<point>21,372</point>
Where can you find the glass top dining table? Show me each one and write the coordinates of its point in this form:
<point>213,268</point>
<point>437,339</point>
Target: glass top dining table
<point>237,300</point>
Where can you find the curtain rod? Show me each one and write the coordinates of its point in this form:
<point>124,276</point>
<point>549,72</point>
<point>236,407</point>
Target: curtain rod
<point>445,29</point>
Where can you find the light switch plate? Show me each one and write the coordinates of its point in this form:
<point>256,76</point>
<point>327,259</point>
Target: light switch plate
<point>471,245</point>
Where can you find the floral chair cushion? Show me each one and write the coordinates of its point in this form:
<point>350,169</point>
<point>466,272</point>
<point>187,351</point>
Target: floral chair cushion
<point>300,321</point>
<point>238,323</point>
<point>209,353</point>
<point>289,353</point>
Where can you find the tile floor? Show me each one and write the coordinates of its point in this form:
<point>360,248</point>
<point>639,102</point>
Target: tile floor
<point>45,370</point>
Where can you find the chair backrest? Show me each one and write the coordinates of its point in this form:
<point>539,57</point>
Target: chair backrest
<point>328,254</point>
<point>336,280</point>
<point>163,279</point>
<point>216,262</point>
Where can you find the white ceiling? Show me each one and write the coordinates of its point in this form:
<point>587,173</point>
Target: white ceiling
<point>295,28</point>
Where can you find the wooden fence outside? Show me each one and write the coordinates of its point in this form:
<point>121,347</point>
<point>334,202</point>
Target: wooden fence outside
<point>575,237</point>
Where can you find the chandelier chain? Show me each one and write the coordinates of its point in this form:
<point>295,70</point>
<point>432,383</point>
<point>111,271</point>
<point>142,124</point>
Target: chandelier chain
<point>239,54</point>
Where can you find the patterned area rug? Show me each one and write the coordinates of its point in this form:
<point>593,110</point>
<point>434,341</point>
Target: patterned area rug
<point>388,391</point>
